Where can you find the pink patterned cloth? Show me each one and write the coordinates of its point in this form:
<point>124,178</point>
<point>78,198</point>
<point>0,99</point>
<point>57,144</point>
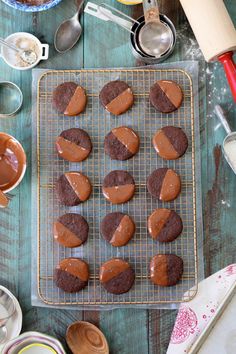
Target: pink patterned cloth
<point>193,316</point>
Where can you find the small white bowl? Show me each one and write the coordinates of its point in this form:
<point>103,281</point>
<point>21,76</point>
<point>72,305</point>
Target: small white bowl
<point>43,50</point>
<point>35,348</point>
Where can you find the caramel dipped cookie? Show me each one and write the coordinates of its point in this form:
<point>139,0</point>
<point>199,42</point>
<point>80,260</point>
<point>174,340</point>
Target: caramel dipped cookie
<point>170,142</point>
<point>164,225</point>
<point>166,269</point>
<point>166,96</point>
<point>74,145</point>
<point>73,188</point>
<point>116,97</point>
<point>69,98</point>
<point>164,184</point>
<point>116,276</point>
<point>70,230</point>
<point>71,275</point>
<point>117,229</point>
<point>121,143</point>
<point>118,187</point>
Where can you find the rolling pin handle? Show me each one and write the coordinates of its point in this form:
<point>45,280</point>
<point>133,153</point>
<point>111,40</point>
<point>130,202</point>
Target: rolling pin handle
<point>230,69</point>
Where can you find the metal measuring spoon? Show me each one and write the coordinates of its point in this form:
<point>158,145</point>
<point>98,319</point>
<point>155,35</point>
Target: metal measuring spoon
<point>28,56</point>
<point>229,143</point>
<point>69,31</point>
<point>155,37</point>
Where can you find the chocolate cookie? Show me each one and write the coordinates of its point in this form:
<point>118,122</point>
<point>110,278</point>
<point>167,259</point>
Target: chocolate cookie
<point>164,225</point>
<point>121,143</point>
<point>73,188</point>
<point>164,184</point>
<point>170,142</point>
<point>166,96</point>
<point>73,145</point>
<point>117,228</point>
<point>69,98</point>
<point>166,269</point>
<point>118,187</point>
<point>70,230</point>
<point>116,97</point>
<point>117,276</point>
<point>71,274</point>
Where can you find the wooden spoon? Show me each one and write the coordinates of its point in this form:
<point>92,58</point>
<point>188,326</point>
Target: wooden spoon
<point>3,200</point>
<point>85,338</point>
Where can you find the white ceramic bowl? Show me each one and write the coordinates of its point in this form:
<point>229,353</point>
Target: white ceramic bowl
<point>43,50</point>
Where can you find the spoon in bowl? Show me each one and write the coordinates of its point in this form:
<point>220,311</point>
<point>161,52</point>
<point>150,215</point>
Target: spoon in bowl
<point>28,56</point>
<point>69,31</point>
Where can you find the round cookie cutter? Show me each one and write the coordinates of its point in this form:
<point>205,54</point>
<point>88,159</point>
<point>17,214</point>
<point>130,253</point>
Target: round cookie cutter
<point>11,99</point>
<point>106,12</point>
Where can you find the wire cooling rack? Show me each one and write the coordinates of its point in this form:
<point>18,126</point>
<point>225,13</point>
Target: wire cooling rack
<point>143,118</point>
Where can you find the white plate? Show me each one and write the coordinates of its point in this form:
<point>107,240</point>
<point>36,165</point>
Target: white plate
<point>14,325</point>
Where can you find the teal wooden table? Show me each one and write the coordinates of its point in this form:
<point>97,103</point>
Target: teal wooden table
<point>103,45</point>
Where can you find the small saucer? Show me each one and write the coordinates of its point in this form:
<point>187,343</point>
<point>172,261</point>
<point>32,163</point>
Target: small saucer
<point>14,324</point>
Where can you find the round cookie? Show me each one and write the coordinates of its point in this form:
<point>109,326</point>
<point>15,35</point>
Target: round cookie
<point>116,97</point>
<point>166,269</point>
<point>166,96</point>
<point>121,143</point>
<point>118,187</point>
<point>164,225</point>
<point>164,184</point>
<point>70,230</point>
<point>71,275</point>
<point>117,228</point>
<point>170,142</point>
<point>116,276</point>
<point>69,98</point>
<point>73,188</point>
<point>74,145</point>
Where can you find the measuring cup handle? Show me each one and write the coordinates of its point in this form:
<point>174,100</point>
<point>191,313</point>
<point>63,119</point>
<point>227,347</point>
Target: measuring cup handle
<point>45,51</point>
<point>222,117</point>
<point>151,10</point>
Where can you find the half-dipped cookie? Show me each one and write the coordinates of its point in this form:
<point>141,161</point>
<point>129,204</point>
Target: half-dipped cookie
<point>70,230</point>
<point>69,98</point>
<point>117,228</point>
<point>166,269</point>
<point>116,276</point>
<point>116,97</point>
<point>118,187</point>
<point>170,142</point>
<point>121,143</point>
<point>71,275</point>
<point>166,96</point>
<point>164,225</point>
<point>74,145</point>
<point>73,188</point>
<point>164,184</point>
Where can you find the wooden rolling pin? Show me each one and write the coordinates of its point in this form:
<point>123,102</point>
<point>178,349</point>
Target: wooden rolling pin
<point>215,33</point>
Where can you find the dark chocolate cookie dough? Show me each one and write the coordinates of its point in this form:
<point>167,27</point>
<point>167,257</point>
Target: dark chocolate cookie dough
<point>74,145</point>
<point>116,97</point>
<point>71,274</point>
<point>121,143</point>
<point>117,228</point>
<point>118,186</point>
<point>116,276</point>
<point>166,269</point>
<point>166,96</point>
<point>70,230</point>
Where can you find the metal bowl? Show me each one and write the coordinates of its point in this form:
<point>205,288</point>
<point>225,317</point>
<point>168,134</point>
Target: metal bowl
<point>27,8</point>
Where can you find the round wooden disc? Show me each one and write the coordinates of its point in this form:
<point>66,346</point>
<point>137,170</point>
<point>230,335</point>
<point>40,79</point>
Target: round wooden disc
<point>85,338</point>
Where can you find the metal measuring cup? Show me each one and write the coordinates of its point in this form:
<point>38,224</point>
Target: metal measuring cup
<point>229,143</point>
<point>106,12</point>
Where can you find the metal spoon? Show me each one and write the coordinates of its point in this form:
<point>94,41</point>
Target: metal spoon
<point>155,37</point>
<point>69,31</point>
<point>229,143</point>
<point>28,56</point>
